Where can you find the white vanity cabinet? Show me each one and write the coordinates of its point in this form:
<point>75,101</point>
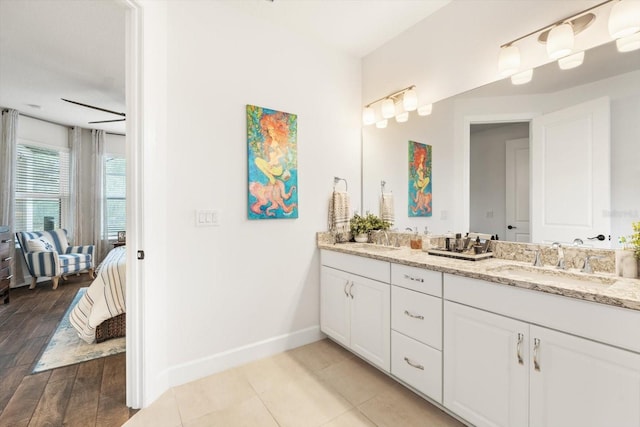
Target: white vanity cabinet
<point>416,323</point>
<point>501,371</point>
<point>355,305</point>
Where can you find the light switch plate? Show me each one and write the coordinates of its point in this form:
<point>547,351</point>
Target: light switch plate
<point>207,218</point>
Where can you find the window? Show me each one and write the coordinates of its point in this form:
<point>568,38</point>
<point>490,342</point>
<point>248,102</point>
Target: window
<point>115,191</point>
<point>42,187</point>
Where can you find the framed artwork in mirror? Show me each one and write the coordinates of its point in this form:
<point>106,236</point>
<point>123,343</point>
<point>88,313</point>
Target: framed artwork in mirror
<point>420,197</point>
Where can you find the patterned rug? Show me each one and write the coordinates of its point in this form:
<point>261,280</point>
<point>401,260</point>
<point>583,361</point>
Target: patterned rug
<point>66,348</point>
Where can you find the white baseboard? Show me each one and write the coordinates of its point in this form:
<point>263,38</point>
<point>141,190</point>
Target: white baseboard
<point>200,368</point>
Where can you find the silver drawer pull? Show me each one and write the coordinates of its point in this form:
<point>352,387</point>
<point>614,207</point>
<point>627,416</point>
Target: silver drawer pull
<point>536,349</point>
<point>7,259</point>
<point>413,365</point>
<point>6,241</point>
<point>413,316</point>
<point>415,279</point>
<point>518,349</point>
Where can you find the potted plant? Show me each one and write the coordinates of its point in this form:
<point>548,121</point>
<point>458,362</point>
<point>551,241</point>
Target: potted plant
<point>627,258</point>
<point>361,226</point>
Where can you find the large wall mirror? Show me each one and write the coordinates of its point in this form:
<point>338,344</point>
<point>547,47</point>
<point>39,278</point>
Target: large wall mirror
<point>498,166</point>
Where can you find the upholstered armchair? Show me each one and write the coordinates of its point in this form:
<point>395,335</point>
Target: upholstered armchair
<point>48,254</point>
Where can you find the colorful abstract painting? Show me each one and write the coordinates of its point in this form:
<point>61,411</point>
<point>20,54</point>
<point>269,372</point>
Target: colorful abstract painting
<point>273,163</point>
<point>420,198</point>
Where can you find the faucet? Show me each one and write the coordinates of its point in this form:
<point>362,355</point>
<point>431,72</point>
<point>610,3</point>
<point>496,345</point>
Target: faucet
<point>386,238</point>
<point>578,242</point>
<point>537,262</point>
<point>586,268</point>
<point>560,263</point>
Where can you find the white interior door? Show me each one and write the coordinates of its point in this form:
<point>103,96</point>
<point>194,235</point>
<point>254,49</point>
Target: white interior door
<point>570,174</point>
<point>517,190</point>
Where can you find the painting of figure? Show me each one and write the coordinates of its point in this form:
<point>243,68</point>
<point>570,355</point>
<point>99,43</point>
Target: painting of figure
<point>420,198</point>
<point>273,163</point>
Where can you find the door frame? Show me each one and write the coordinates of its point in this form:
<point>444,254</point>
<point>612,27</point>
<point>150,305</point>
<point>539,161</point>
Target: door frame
<point>134,177</point>
<point>466,151</point>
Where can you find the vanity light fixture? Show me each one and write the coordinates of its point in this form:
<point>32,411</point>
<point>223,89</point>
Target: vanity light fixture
<point>571,61</point>
<point>628,43</point>
<point>523,77</point>
<point>397,104</point>
<point>623,23</point>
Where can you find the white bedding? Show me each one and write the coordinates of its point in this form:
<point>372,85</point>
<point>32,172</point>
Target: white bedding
<point>104,299</point>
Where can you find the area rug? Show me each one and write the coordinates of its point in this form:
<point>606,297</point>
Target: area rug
<point>66,348</point>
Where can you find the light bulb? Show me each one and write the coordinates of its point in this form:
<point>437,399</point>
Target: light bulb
<point>388,109</point>
<point>368,116</point>
<point>560,41</point>
<point>522,78</point>
<point>628,43</point>
<point>410,100</point>
<point>382,124</point>
<point>425,110</point>
<point>624,19</point>
<point>508,60</point>
<point>571,61</point>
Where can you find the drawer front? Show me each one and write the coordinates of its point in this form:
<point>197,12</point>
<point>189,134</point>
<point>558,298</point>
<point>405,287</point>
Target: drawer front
<point>362,266</point>
<point>417,315</point>
<point>418,279</point>
<point>417,364</point>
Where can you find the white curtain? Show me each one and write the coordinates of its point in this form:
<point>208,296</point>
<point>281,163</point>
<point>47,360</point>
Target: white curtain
<point>8,142</point>
<point>99,232</point>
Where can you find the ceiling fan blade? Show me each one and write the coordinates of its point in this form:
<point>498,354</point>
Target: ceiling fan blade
<point>95,108</point>
<point>108,121</point>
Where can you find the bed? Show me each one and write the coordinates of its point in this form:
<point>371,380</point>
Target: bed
<point>101,309</point>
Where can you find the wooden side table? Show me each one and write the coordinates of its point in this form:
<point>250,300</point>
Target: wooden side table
<point>118,244</point>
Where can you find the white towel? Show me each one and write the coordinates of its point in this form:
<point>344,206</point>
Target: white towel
<point>386,207</point>
<point>339,209</point>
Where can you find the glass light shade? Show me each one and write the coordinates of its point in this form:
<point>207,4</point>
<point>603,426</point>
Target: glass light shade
<point>410,100</point>
<point>382,124</point>
<point>522,78</point>
<point>624,19</point>
<point>402,117</point>
<point>368,116</point>
<point>388,109</point>
<point>628,43</point>
<point>508,60</point>
<point>571,61</point>
<point>425,110</point>
<point>560,41</point>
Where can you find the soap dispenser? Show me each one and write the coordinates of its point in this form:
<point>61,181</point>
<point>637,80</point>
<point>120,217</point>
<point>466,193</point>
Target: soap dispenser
<point>416,240</point>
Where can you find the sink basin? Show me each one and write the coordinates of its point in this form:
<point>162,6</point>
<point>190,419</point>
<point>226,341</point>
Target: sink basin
<point>372,247</point>
<point>529,273</point>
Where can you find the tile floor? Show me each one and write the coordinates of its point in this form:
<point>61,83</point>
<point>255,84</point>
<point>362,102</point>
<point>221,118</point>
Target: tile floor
<point>319,384</point>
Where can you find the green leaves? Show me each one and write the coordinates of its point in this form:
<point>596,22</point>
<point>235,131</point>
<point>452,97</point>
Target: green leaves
<point>364,224</point>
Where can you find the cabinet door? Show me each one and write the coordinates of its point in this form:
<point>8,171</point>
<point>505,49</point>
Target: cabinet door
<point>334,304</point>
<point>370,321</point>
<point>577,382</point>
<point>485,369</point>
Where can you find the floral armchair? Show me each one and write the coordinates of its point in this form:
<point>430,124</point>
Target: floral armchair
<point>48,254</point>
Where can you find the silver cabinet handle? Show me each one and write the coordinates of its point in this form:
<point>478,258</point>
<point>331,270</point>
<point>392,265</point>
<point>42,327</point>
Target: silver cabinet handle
<point>413,316</point>
<point>345,289</point>
<point>9,277</point>
<point>413,365</point>
<point>7,259</point>
<point>519,349</point>
<point>415,279</point>
<point>536,347</point>
<point>350,290</point>
<point>6,241</point>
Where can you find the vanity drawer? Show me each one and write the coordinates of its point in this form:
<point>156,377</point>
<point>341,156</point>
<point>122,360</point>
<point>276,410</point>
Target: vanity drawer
<point>365,267</point>
<point>417,364</point>
<point>418,279</point>
<point>417,315</point>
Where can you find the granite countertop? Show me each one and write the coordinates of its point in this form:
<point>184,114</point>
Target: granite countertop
<point>604,288</point>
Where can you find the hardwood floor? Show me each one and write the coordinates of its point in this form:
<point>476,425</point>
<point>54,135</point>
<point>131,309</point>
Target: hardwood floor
<point>86,394</point>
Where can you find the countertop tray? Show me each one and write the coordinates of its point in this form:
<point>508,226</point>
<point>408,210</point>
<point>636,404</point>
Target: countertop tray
<point>460,255</point>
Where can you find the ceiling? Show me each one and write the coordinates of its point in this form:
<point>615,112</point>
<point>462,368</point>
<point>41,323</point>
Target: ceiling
<point>75,49</point>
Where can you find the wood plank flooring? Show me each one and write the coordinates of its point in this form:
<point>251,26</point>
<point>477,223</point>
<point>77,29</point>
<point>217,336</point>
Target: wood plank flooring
<point>86,394</point>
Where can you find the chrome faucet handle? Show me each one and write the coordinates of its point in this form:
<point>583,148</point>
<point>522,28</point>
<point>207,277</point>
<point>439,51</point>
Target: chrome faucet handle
<point>586,268</point>
<point>537,261</point>
<point>578,242</point>
<point>560,265</point>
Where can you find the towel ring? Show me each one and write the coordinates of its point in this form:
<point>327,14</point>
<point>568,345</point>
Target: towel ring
<point>382,186</point>
<point>336,180</point>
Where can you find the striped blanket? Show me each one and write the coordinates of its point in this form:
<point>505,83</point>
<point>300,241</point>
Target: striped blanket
<point>104,299</point>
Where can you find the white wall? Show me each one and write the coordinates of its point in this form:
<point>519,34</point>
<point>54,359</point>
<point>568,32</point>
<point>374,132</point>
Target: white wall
<point>487,174</point>
<point>244,289</point>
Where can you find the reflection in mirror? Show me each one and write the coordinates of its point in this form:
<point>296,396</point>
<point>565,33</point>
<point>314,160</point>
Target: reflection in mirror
<point>460,201</point>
